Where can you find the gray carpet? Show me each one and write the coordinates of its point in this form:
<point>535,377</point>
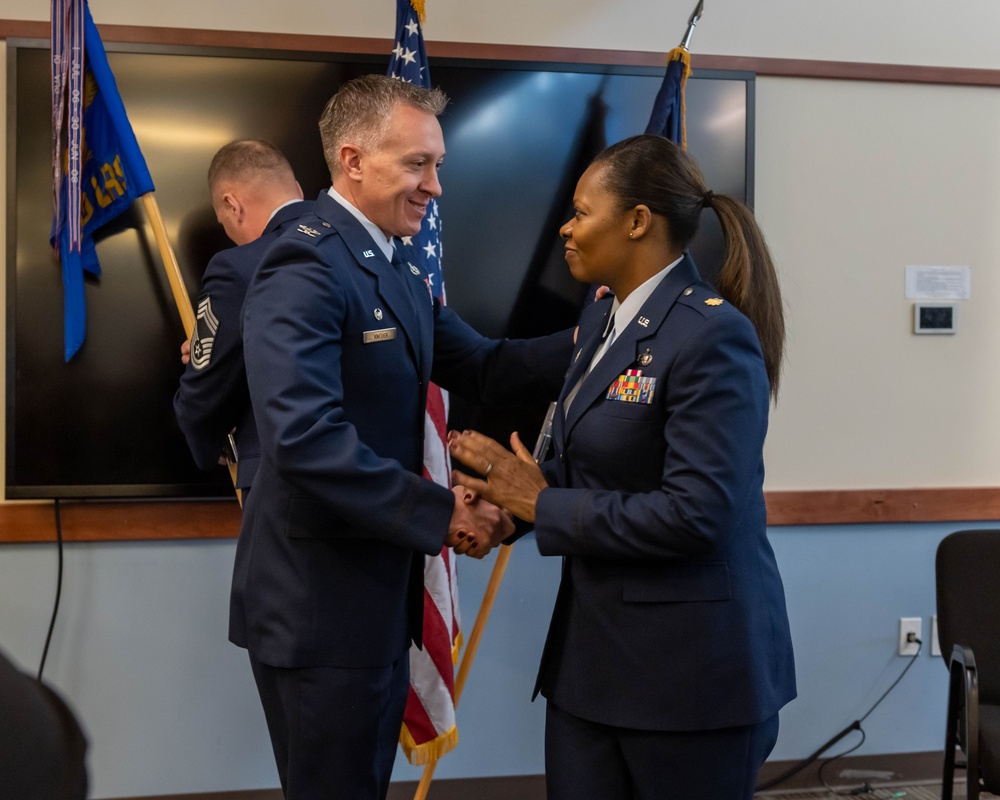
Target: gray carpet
<point>923,792</point>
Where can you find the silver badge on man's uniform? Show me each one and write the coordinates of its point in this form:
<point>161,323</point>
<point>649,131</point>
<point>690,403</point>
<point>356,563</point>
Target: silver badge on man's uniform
<point>205,327</point>
<point>414,270</point>
<point>378,313</point>
<point>646,358</point>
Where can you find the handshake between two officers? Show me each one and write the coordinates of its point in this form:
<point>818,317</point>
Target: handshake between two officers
<point>485,507</point>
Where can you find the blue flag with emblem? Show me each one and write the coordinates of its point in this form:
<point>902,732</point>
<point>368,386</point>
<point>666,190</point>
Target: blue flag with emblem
<point>667,117</point>
<point>98,169</point>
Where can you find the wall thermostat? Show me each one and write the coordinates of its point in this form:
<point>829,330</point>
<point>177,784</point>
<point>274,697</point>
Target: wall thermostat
<point>934,317</point>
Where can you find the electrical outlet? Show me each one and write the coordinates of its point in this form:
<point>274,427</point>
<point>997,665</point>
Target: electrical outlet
<point>908,625</point>
<point>935,641</point>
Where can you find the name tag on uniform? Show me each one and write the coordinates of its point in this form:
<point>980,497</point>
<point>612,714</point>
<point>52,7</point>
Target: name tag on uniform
<point>383,335</point>
<point>632,387</point>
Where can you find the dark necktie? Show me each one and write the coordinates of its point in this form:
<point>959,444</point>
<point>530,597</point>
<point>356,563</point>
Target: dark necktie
<point>607,339</point>
<point>403,272</point>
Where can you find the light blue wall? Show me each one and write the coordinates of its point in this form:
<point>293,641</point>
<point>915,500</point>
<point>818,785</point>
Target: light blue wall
<point>847,586</point>
<point>140,650</point>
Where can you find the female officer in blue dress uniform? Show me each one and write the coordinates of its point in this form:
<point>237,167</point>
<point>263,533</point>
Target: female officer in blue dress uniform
<point>669,654</point>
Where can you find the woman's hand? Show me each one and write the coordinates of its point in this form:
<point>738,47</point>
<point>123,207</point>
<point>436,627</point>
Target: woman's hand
<point>512,480</point>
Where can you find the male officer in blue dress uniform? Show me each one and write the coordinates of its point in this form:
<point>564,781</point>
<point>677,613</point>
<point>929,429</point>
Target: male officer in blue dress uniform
<point>341,338</point>
<point>255,197</point>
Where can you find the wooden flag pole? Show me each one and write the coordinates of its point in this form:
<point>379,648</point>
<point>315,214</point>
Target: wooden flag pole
<point>496,578</point>
<point>181,297</point>
<point>489,596</point>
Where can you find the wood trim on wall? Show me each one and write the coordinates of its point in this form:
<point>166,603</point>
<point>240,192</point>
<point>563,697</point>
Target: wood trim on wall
<point>873,506</point>
<point>120,521</point>
<point>90,521</point>
<point>773,67</point>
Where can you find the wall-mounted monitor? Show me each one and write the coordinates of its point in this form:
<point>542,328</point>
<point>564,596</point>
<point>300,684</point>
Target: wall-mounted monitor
<point>102,425</point>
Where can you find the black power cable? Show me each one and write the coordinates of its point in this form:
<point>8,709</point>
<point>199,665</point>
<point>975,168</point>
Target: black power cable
<point>59,580</point>
<point>854,726</point>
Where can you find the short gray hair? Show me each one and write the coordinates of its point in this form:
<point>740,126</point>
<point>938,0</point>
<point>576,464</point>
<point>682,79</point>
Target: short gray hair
<point>359,112</point>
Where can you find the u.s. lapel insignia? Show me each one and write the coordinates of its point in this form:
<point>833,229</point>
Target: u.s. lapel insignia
<point>714,301</point>
<point>312,232</point>
<point>646,358</point>
<point>369,254</point>
<point>378,313</point>
<point>644,321</point>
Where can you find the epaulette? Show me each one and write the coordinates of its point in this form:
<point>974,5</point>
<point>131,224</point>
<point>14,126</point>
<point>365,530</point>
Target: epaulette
<point>311,228</point>
<point>703,299</point>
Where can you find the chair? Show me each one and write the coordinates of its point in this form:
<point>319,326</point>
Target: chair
<point>968,609</point>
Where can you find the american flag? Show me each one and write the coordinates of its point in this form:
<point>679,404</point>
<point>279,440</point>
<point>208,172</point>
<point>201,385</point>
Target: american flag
<point>429,729</point>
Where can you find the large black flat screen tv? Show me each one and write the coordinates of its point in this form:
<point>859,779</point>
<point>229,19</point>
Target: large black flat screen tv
<point>102,425</point>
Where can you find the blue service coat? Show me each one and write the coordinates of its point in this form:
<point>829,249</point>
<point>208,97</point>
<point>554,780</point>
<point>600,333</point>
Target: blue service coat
<point>339,348</point>
<point>670,613</point>
<point>213,397</point>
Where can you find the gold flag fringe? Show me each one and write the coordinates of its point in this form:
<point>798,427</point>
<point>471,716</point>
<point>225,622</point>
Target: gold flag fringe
<point>680,54</point>
<point>422,754</point>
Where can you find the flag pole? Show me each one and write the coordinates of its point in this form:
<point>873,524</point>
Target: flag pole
<point>489,596</point>
<point>486,606</point>
<point>181,297</point>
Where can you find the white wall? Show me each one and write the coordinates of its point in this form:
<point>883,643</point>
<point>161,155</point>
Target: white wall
<point>854,182</point>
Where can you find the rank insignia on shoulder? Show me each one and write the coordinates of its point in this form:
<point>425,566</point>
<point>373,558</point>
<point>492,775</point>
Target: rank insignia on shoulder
<point>308,231</point>
<point>632,387</point>
<point>688,292</point>
<point>714,301</point>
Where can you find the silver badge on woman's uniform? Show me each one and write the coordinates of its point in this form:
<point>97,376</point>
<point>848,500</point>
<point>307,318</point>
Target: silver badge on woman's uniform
<point>205,328</point>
